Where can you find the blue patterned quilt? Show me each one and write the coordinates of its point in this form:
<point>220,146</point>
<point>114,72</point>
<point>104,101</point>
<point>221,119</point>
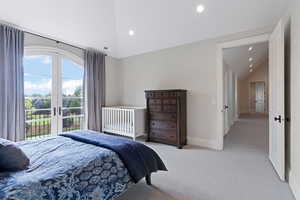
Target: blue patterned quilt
<point>64,169</point>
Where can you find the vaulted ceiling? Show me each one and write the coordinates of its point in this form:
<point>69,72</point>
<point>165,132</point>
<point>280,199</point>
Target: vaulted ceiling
<point>157,24</point>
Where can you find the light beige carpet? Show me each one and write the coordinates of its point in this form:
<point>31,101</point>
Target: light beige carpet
<point>241,172</point>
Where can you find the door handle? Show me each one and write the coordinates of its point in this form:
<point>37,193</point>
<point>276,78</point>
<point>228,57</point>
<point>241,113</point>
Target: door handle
<point>54,111</point>
<point>225,108</point>
<point>279,119</point>
<point>59,110</point>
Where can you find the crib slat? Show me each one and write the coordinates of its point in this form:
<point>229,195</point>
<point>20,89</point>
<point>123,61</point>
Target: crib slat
<point>121,124</point>
<point>126,123</point>
<point>131,116</point>
<point>110,119</point>
<point>103,118</point>
<point>119,120</point>
<point>115,119</point>
<point>106,118</point>
<point>133,124</point>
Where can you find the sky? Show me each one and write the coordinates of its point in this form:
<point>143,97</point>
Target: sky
<point>38,73</point>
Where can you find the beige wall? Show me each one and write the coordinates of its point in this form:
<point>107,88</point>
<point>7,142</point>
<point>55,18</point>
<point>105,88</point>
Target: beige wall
<point>113,82</point>
<point>259,74</point>
<point>191,67</point>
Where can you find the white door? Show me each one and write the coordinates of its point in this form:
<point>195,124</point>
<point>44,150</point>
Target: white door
<point>39,91</point>
<point>53,94</point>
<point>276,111</point>
<point>260,97</point>
<point>70,98</point>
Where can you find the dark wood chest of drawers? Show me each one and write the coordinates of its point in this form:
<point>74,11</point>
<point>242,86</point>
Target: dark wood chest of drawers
<point>166,116</point>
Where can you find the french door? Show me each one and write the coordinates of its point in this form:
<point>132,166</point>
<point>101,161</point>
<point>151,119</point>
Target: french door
<point>53,88</point>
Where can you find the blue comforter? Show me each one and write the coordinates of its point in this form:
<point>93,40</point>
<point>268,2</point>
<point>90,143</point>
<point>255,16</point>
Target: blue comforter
<point>139,159</point>
<point>62,168</point>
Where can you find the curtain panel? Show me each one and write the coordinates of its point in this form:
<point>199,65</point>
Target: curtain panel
<point>94,74</point>
<point>12,111</point>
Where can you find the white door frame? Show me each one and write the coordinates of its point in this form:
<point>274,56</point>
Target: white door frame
<point>220,79</point>
<point>56,97</point>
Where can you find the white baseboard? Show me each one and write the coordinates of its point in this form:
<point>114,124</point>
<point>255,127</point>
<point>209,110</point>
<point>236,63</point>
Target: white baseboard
<point>294,185</point>
<point>211,144</point>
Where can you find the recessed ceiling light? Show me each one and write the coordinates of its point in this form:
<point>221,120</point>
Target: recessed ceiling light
<point>250,48</point>
<point>250,59</point>
<point>131,32</point>
<point>251,65</point>
<point>200,8</point>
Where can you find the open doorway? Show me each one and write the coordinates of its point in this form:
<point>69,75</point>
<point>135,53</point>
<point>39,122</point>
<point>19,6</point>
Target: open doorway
<point>245,83</point>
<point>276,100</point>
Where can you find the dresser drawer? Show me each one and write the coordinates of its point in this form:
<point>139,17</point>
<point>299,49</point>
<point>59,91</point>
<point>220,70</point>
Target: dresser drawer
<point>167,125</point>
<point>163,116</point>
<point>167,135</point>
<point>170,101</point>
<point>155,108</point>
<point>154,95</point>
<point>161,94</point>
<point>169,94</point>
<point>154,101</point>
<point>170,108</point>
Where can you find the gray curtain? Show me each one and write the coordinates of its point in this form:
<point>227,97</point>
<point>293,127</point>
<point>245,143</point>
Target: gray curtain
<point>94,70</point>
<point>12,121</point>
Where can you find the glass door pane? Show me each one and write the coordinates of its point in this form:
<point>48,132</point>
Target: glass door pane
<point>38,96</point>
<point>72,96</point>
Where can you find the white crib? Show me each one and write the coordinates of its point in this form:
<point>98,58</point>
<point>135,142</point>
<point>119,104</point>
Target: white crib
<point>124,121</point>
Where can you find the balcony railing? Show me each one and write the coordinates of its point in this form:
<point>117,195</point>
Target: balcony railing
<point>39,123</point>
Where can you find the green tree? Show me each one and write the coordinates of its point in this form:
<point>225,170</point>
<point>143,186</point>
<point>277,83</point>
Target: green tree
<point>78,91</point>
<point>28,104</point>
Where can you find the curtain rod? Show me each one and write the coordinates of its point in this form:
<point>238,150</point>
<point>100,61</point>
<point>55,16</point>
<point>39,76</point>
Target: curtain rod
<point>57,41</point>
<point>45,37</point>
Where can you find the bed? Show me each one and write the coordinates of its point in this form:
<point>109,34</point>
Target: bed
<point>79,165</point>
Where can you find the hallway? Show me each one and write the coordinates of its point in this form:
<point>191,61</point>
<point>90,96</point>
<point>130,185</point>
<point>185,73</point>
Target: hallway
<point>241,172</point>
<point>249,133</point>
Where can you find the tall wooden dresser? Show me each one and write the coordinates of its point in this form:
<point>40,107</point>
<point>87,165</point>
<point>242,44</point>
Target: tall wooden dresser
<point>167,116</point>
